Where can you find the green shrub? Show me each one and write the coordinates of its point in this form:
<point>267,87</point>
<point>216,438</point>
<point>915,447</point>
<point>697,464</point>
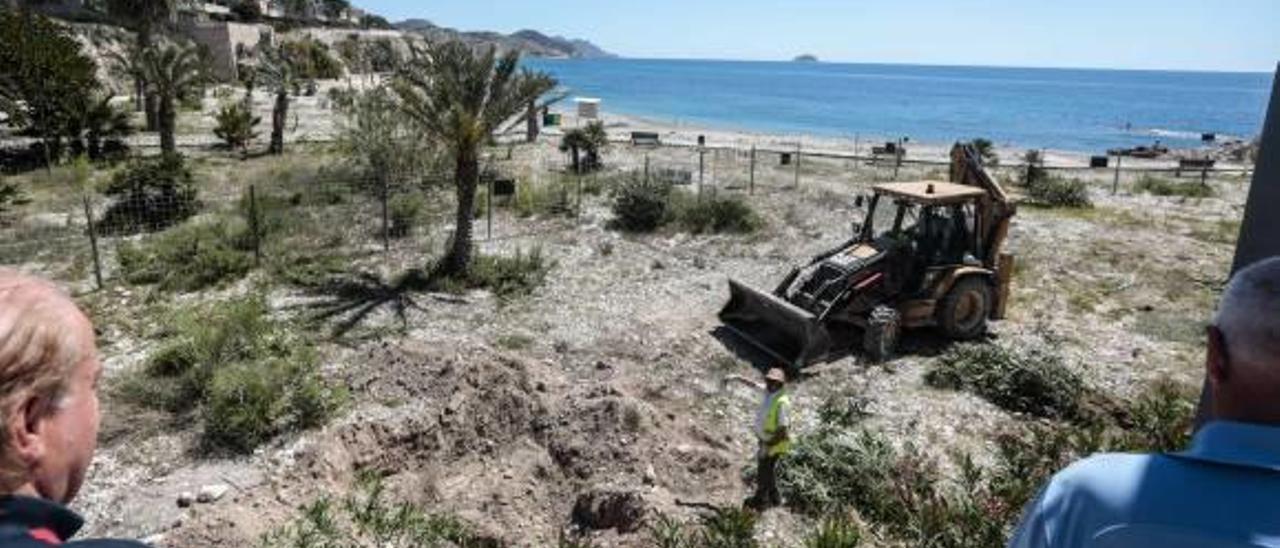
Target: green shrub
<point>1159,186</point>
<point>404,212</point>
<point>1032,380</point>
<point>836,531</point>
<point>550,198</point>
<point>189,257</point>
<point>728,527</point>
<point>667,532</point>
<point>640,205</point>
<point>10,195</point>
<point>1056,191</point>
<point>507,277</point>
<point>248,376</point>
<point>368,519</point>
<point>843,411</point>
<point>713,214</point>
<point>1160,418</point>
<point>150,194</point>
<point>313,59</point>
<point>235,125</point>
<point>829,470</point>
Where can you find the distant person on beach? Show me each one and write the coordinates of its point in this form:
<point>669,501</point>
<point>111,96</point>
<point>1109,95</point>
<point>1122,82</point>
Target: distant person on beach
<point>1223,491</point>
<point>49,373</point>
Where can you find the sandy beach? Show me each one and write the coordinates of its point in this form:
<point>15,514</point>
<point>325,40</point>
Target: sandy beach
<point>679,133</point>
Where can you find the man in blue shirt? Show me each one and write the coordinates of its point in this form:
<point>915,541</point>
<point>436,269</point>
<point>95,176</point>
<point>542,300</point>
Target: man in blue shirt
<point>1223,491</point>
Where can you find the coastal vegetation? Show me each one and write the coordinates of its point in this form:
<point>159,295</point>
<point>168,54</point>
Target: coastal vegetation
<point>249,299</point>
<point>236,125</point>
<point>584,146</point>
<point>645,204</point>
<point>245,375</point>
<point>460,97</point>
<point>1160,186</point>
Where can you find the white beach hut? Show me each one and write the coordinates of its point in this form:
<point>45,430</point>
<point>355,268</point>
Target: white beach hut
<point>588,108</point>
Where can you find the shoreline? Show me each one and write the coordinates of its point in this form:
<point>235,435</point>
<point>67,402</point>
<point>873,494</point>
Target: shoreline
<point>681,133</point>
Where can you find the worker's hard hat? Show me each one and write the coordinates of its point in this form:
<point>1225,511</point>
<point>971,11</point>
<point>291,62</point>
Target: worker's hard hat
<point>776,375</point>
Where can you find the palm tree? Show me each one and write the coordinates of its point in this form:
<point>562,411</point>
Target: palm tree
<point>280,73</point>
<point>144,17</point>
<point>172,72</point>
<point>460,97</point>
<point>537,81</point>
<point>102,121</point>
<point>589,140</point>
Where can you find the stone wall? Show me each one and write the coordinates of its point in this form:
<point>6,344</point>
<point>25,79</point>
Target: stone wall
<point>223,39</point>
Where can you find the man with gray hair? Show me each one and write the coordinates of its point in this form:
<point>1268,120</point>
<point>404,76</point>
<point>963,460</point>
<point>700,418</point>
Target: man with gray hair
<point>1223,491</point>
<point>49,373</point>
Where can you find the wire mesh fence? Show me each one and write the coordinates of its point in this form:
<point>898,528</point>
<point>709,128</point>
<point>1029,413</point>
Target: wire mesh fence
<point>304,228</point>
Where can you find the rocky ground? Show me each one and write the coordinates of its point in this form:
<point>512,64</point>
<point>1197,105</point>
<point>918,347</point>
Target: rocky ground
<point>610,388</point>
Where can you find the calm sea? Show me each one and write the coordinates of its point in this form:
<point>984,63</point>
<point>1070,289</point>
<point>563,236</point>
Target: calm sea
<point>1070,109</point>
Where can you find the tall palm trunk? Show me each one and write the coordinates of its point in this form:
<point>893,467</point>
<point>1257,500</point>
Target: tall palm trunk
<point>166,117</point>
<point>151,104</point>
<point>139,91</point>
<point>279,115</point>
<point>467,173</point>
<point>531,123</point>
<point>148,100</point>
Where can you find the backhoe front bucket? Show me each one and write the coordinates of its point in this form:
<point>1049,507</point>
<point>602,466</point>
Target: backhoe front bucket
<point>783,330</point>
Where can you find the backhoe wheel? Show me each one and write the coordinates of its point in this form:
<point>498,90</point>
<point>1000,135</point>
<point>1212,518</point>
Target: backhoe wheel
<point>880,338</point>
<point>964,311</point>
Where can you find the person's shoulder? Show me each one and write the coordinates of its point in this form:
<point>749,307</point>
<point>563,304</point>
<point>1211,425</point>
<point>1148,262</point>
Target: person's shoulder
<point>1101,473</point>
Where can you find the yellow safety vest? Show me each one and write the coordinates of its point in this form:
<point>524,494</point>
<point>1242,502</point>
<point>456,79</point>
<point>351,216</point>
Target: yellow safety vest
<point>783,445</point>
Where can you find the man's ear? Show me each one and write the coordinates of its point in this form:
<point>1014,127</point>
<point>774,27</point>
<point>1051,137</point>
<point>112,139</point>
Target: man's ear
<point>24,427</point>
<point>1217,361</point>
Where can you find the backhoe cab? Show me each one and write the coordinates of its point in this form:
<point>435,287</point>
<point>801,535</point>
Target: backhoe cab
<point>925,254</point>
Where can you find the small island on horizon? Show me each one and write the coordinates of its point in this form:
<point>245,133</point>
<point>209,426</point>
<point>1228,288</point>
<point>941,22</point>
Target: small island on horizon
<point>806,58</point>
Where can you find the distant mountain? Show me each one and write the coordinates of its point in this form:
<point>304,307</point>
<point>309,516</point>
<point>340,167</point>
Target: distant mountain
<point>528,42</point>
<point>806,58</point>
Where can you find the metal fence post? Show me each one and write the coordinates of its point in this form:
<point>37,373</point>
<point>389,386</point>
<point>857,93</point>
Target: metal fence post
<point>751,188</point>
<point>1115,183</point>
<point>646,169</point>
<point>93,242</point>
<point>1204,176</point>
<point>488,227</point>
<point>386,217</point>
<point>797,184</point>
<point>897,160</point>
<point>702,155</point>
<point>253,226</point>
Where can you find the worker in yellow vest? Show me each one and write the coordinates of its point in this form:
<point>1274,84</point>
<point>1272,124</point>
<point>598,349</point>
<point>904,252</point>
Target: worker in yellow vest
<point>771,428</point>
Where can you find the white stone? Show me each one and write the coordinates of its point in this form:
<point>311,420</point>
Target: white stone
<point>210,493</point>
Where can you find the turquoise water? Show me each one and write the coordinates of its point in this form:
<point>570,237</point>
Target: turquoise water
<point>1069,109</point>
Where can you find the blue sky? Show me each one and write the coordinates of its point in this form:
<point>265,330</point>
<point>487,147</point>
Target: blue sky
<point>1149,34</point>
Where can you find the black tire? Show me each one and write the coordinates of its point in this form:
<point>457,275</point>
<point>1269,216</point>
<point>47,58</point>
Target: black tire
<point>880,338</point>
<point>963,313</point>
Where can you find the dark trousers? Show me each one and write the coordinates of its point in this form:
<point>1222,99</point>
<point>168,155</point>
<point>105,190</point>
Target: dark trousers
<point>767,482</point>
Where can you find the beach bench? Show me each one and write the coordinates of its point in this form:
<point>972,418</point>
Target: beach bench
<point>1193,164</point>
<point>645,138</point>
<point>890,149</point>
